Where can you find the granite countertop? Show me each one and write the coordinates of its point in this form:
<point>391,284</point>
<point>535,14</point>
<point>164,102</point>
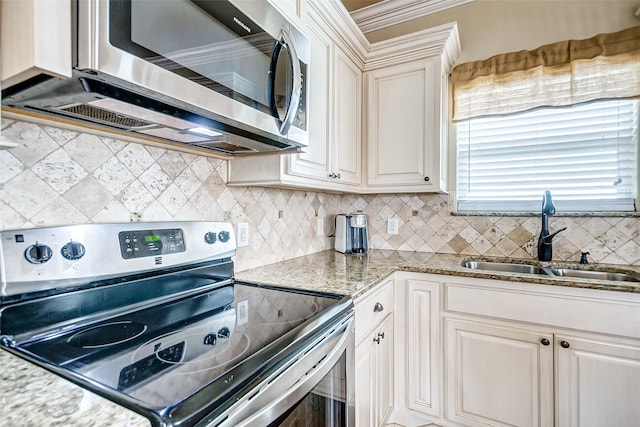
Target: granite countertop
<point>353,275</point>
<point>33,396</point>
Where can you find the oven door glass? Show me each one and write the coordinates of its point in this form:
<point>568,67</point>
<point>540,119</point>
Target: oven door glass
<point>326,405</point>
<point>217,46</point>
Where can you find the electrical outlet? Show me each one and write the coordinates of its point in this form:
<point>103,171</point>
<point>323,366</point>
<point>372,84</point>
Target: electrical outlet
<point>243,234</point>
<point>392,226</point>
<point>320,230</point>
<point>243,312</point>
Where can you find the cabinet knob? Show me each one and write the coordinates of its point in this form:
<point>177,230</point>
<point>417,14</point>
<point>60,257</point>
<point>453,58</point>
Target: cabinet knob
<point>376,340</point>
<point>427,179</point>
<point>381,335</point>
<point>333,175</point>
<point>544,341</point>
<point>564,344</point>
<point>377,308</point>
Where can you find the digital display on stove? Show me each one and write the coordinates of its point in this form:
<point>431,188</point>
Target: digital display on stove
<point>144,243</point>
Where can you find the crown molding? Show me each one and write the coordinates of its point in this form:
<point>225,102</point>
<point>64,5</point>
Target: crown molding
<point>391,12</point>
<point>441,41</point>
<point>342,27</point>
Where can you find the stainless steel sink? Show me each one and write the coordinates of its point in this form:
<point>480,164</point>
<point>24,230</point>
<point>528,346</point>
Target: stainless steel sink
<point>504,267</point>
<point>591,274</point>
<point>512,267</point>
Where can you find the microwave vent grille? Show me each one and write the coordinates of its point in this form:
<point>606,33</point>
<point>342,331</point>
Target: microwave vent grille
<point>226,147</point>
<point>105,116</point>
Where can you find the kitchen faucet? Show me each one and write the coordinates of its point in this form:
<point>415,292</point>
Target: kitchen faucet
<point>544,241</point>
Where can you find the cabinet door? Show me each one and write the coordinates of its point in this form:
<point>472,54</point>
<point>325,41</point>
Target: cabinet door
<point>384,370</point>
<point>403,127</point>
<point>598,383</point>
<point>314,162</point>
<point>498,376</point>
<point>423,346</point>
<point>347,100</point>
<point>365,392</point>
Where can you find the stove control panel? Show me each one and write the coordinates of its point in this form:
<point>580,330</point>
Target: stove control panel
<point>143,243</point>
<point>38,259</point>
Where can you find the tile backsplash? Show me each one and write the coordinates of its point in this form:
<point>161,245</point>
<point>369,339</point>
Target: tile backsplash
<point>426,224</point>
<point>58,176</point>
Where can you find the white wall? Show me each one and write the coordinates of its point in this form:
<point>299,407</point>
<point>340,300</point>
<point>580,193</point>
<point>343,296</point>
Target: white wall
<point>490,27</point>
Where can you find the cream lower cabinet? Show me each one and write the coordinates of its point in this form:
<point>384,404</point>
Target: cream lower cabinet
<point>598,381</point>
<point>480,352</point>
<point>498,376</point>
<point>418,347</point>
<point>374,356</point>
<point>521,354</point>
<point>505,376</point>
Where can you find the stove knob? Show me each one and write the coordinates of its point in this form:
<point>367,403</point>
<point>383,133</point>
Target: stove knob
<point>210,238</point>
<point>73,251</point>
<point>210,339</point>
<point>38,253</point>
<point>224,332</point>
<point>223,236</point>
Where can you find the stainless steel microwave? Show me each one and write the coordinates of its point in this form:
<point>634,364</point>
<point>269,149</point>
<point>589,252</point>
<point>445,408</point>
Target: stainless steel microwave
<point>225,75</point>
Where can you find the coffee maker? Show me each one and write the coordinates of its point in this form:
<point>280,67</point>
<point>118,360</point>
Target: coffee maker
<point>351,233</point>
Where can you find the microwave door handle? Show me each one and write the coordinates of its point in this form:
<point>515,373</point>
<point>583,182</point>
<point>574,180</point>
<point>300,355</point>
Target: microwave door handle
<point>296,88</point>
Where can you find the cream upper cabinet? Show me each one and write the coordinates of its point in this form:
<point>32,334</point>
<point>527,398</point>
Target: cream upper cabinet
<point>292,9</point>
<point>404,148</point>
<point>332,159</point>
<point>406,111</point>
<point>315,161</point>
<point>335,91</point>
<point>347,142</point>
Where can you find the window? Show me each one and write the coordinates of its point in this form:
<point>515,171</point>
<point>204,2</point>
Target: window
<point>584,154</point>
<point>563,117</point>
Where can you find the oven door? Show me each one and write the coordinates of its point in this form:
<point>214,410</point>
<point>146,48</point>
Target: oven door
<point>211,54</point>
<point>313,387</point>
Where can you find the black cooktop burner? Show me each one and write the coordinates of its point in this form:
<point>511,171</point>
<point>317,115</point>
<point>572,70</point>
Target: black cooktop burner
<point>107,334</point>
<point>163,358</point>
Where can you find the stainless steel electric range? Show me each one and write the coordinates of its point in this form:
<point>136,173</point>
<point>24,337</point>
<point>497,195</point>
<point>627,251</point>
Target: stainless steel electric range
<point>149,315</point>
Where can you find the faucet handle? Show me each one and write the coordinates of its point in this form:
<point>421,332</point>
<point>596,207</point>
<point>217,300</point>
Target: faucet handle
<point>583,258</point>
<point>547,239</point>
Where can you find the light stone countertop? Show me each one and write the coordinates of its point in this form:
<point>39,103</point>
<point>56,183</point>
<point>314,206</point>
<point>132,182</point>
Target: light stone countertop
<point>353,275</point>
<point>33,396</point>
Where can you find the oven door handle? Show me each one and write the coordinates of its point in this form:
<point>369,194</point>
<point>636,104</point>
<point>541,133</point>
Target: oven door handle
<point>283,389</point>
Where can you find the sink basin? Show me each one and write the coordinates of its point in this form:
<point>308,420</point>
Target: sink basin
<point>511,267</point>
<point>590,274</point>
<point>504,267</point>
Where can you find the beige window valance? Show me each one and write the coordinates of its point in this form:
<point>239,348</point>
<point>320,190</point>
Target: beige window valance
<point>558,74</point>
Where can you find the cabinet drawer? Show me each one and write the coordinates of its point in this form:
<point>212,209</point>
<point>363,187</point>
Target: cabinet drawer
<point>372,308</point>
<point>612,313</point>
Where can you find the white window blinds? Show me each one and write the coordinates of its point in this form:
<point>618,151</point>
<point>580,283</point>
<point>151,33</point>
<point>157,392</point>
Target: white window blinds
<point>585,155</point>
